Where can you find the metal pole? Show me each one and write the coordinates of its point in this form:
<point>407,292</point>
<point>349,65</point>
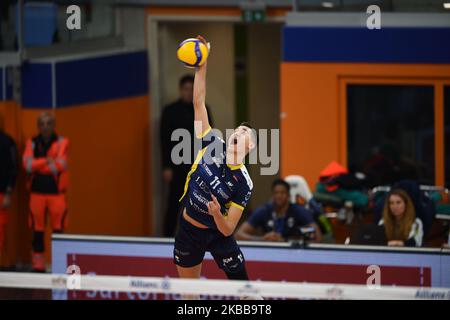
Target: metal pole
<point>20,30</point>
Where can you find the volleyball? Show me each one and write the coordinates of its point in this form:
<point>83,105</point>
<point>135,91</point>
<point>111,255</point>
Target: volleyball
<point>192,52</point>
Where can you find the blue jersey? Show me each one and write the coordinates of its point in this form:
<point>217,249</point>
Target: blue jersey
<point>210,174</point>
<point>296,216</point>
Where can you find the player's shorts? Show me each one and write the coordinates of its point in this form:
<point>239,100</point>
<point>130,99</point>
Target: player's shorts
<point>56,206</point>
<point>191,243</point>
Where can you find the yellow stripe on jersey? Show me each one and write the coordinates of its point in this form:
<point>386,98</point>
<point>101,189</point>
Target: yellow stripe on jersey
<point>234,204</point>
<point>232,167</point>
<point>193,168</point>
<point>204,133</point>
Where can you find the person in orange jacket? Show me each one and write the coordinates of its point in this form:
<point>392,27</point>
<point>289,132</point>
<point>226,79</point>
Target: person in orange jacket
<point>45,162</point>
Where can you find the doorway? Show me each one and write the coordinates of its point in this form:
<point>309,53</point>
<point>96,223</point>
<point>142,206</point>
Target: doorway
<point>242,85</point>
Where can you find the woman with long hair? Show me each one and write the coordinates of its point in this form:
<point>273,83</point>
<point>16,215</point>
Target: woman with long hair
<point>399,219</point>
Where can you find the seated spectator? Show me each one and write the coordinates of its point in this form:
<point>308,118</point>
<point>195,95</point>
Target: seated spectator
<point>399,219</point>
<point>424,207</point>
<point>279,220</point>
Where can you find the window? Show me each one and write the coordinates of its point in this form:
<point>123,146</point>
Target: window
<point>390,132</point>
<point>447,134</point>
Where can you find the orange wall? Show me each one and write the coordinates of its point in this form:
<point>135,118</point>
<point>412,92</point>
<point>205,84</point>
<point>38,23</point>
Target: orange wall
<point>313,125</point>
<point>109,169</point>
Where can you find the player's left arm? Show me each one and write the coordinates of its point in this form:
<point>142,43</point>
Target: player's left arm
<point>200,112</point>
<point>228,225</point>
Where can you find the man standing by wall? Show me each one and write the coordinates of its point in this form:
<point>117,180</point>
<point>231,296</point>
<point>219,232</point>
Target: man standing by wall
<point>45,161</point>
<point>8,175</point>
<point>177,115</point>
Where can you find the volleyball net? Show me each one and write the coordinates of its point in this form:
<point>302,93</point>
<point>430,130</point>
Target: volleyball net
<point>15,282</point>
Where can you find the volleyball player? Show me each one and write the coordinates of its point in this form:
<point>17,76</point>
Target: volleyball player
<point>217,189</point>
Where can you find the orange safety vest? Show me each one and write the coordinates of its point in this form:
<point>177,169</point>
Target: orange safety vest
<point>59,152</point>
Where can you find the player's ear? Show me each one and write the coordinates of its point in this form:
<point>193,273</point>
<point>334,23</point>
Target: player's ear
<point>251,145</point>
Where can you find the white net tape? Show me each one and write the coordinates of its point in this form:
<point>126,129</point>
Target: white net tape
<point>218,287</point>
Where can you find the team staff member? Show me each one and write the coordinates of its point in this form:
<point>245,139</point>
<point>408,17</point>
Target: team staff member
<point>279,220</point>
<point>45,162</point>
<point>8,175</point>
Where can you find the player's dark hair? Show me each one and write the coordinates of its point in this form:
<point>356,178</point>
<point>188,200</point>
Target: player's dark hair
<point>281,182</point>
<point>248,125</point>
<point>186,79</point>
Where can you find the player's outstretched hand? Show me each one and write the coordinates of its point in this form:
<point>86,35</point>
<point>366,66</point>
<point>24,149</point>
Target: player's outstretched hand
<point>207,44</point>
<point>214,206</point>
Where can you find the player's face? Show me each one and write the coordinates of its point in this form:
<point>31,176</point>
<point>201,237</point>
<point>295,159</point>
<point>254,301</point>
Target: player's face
<point>241,139</point>
<point>280,196</point>
<point>186,92</point>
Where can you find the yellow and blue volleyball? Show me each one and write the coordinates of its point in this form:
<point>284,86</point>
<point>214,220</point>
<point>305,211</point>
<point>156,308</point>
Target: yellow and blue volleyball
<point>192,52</point>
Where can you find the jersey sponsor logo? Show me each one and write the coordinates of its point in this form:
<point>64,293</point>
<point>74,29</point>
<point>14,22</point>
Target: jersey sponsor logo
<point>208,171</point>
<point>230,184</point>
<point>247,177</point>
<point>200,198</point>
<point>203,185</point>
<point>182,253</point>
<point>227,260</point>
<point>223,194</point>
<point>218,160</point>
<point>196,207</point>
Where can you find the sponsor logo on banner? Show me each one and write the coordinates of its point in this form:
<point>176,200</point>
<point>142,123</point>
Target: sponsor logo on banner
<point>165,284</point>
<point>143,284</point>
<point>249,289</point>
<point>335,292</point>
<point>59,281</point>
<point>431,294</point>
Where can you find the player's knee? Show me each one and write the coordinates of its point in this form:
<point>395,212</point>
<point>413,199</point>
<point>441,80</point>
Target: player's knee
<point>233,265</point>
<point>239,273</point>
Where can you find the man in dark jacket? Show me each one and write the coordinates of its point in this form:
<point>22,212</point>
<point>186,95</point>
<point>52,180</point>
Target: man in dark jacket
<point>8,175</point>
<point>177,115</point>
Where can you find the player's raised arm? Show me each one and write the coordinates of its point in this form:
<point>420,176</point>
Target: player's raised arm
<point>201,114</point>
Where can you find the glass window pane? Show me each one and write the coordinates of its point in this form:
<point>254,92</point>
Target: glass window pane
<point>447,134</point>
<point>390,132</point>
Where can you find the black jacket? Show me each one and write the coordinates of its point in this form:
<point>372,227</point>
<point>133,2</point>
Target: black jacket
<point>8,162</point>
<point>177,115</point>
